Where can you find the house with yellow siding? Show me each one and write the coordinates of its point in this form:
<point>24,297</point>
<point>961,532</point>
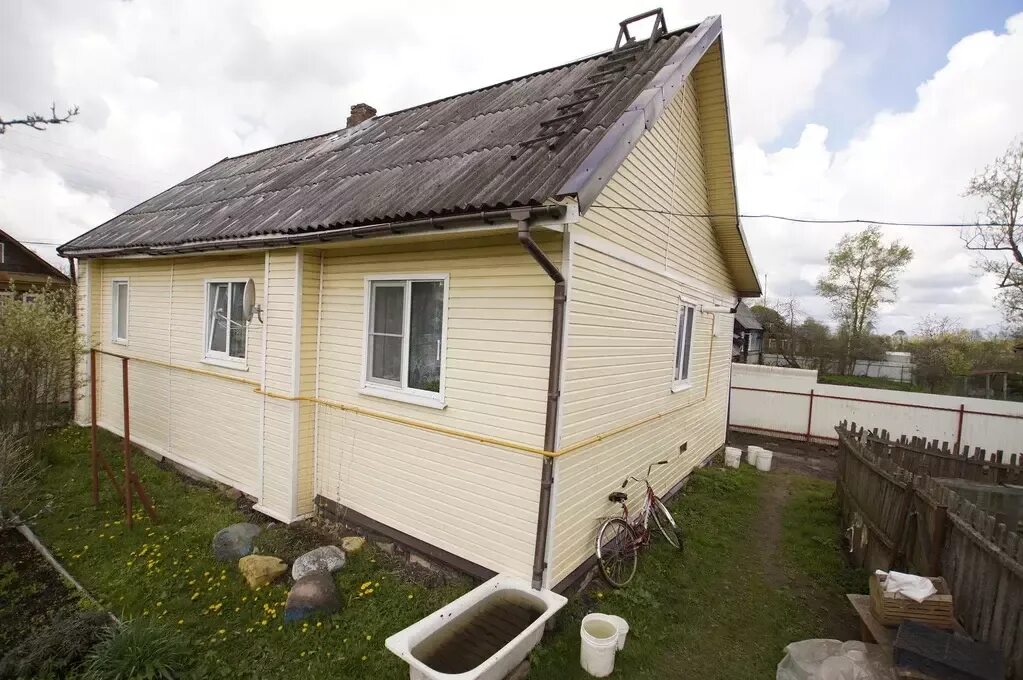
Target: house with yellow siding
<point>460,325</point>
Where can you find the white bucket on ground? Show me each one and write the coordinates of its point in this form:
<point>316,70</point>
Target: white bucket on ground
<point>599,634</point>
<point>751,454</point>
<point>732,456</point>
<point>764,460</point>
<point>623,629</point>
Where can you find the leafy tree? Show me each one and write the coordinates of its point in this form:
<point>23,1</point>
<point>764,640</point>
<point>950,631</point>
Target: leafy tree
<point>862,275</point>
<point>941,351</point>
<point>998,241</point>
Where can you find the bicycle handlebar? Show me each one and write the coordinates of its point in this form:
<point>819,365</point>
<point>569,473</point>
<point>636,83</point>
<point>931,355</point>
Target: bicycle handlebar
<point>649,468</point>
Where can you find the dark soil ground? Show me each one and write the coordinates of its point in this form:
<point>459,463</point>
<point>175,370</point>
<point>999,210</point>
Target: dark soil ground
<point>31,592</point>
<point>810,459</point>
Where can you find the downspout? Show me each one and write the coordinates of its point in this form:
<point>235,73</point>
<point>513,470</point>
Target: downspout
<point>550,434</point>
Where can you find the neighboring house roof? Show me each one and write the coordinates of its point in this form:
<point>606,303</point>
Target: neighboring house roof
<point>744,317</point>
<point>21,260</point>
<point>462,154</point>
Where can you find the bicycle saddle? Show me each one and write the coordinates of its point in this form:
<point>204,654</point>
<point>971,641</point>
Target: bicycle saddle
<point>618,497</point>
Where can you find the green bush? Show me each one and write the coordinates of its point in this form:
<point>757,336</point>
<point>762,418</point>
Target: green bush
<point>138,649</point>
<point>55,650</point>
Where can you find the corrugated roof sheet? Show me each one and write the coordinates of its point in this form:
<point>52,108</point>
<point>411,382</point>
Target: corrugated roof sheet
<point>450,156</point>
<point>744,316</point>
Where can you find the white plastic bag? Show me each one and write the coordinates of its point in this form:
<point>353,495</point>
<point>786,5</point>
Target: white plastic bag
<point>917,588</point>
<point>834,660</point>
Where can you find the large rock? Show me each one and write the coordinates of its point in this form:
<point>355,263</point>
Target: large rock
<point>352,544</point>
<point>234,542</point>
<point>261,570</point>
<point>328,558</point>
<point>315,593</point>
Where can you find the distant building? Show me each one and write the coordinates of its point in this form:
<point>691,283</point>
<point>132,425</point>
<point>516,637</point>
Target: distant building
<point>747,336</point>
<point>21,270</point>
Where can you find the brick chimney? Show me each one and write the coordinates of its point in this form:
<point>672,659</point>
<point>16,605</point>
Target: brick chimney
<point>360,113</point>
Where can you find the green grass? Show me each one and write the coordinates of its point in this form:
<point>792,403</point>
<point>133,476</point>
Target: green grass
<point>166,572</point>
<point>711,614</point>
<point>708,614</point>
<point>864,381</point>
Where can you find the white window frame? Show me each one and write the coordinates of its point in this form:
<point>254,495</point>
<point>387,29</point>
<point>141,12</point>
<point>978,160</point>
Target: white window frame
<point>683,356</point>
<point>119,335</point>
<point>402,392</point>
<point>213,357</point>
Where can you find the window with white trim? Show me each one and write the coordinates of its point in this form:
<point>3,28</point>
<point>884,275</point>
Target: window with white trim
<point>226,329</point>
<point>119,311</point>
<point>684,343</point>
<point>405,334</point>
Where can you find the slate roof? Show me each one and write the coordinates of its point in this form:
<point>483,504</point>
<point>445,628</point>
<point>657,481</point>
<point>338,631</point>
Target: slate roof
<point>744,317</point>
<point>450,156</point>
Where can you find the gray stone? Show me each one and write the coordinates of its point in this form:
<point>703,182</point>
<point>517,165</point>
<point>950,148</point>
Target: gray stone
<point>315,593</point>
<point>327,558</point>
<point>234,542</point>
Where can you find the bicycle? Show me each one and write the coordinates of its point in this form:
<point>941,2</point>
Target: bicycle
<point>619,539</point>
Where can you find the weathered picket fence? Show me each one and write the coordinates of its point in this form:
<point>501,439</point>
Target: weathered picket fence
<point>900,517</point>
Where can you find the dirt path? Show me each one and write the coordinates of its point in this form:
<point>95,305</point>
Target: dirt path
<point>768,528</point>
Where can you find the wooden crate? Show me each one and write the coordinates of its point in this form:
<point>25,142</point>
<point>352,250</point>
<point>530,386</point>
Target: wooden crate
<point>891,609</point>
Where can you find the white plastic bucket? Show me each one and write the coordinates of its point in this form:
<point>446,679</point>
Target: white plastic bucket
<point>751,454</point>
<point>764,460</point>
<point>623,629</point>
<point>599,634</point>
<point>732,456</point>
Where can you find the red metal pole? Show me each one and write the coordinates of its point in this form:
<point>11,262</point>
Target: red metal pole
<point>959,426</point>
<point>92,424</point>
<point>809,417</point>
<point>127,443</point>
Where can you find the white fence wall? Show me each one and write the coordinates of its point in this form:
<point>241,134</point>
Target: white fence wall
<point>789,402</point>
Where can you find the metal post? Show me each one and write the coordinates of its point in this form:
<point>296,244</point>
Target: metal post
<point>959,426</point>
<point>809,417</point>
<point>127,442</point>
<point>92,427</point>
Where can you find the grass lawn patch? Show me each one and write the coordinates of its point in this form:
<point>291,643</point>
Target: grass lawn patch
<point>868,381</point>
<point>712,612</point>
<point>165,572</point>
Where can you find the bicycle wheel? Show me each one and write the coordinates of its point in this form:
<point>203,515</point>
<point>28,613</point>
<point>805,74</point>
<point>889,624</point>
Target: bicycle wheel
<point>666,523</point>
<point>616,551</point>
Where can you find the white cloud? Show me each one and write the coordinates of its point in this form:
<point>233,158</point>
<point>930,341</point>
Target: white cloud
<point>906,166</point>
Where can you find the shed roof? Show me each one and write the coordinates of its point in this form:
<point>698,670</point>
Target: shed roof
<point>744,317</point>
<point>462,154</point>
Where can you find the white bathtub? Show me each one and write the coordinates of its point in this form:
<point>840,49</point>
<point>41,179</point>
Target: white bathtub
<point>431,645</point>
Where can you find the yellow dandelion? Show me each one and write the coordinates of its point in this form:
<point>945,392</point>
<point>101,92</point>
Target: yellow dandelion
<point>221,631</point>
<point>364,657</point>
<point>159,604</point>
<point>181,622</point>
<point>195,596</point>
<point>377,584</point>
<point>369,591</point>
<point>369,637</point>
<point>319,623</point>
<point>263,622</point>
<point>302,654</point>
<point>365,585</point>
<point>280,627</point>
<point>410,596</point>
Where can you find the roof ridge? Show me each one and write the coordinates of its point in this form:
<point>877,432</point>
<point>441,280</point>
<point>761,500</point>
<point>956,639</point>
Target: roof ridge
<point>575,62</point>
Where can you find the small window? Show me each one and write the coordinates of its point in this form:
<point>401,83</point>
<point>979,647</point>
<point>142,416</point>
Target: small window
<point>119,311</point>
<point>405,328</point>
<point>684,343</point>
<point>225,328</point>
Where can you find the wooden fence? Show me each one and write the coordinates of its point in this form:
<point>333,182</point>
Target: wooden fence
<point>902,518</point>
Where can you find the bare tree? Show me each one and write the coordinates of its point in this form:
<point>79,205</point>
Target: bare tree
<point>862,275</point>
<point>997,241</point>
<point>38,122</point>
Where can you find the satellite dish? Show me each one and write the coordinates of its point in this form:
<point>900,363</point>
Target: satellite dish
<point>249,300</point>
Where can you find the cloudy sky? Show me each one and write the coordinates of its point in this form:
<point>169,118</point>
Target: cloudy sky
<point>841,108</point>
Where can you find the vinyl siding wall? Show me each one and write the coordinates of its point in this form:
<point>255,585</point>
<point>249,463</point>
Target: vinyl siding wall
<point>629,271</point>
<point>475,499</point>
<point>204,422</point>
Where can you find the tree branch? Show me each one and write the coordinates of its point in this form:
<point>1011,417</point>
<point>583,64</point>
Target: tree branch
<point>37,122</point>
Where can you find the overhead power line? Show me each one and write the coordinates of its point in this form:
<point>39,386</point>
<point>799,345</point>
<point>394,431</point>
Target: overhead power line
<point>767,216</point>
<point>802,220</point>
